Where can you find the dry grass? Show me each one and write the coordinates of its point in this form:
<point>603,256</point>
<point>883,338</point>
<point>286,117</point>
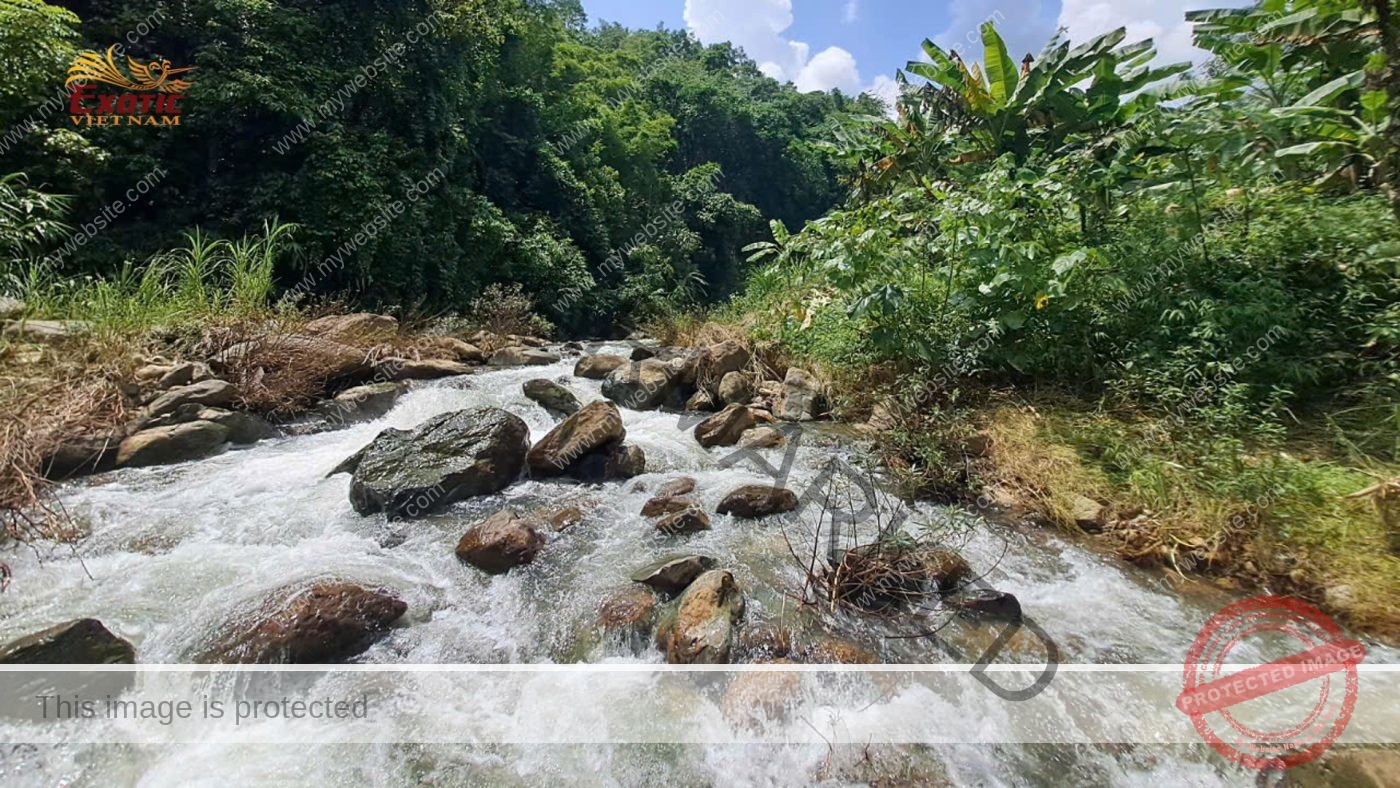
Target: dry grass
<point>1039,475</point>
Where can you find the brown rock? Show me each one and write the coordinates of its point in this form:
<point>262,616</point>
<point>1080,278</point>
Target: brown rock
<point>640,385</point>
<point>397,369</point>
<point>681,485</point>
<point>672,574</point>
<point>735,388</point>
<point>597,367</point>
<point>361,327</point>
<point>666,504</point>
<point>701,631</point>
<point>724,428</point>
<point>630,611</point>
<point>688,521</point>
<point>726,357</point>
<point>210,392</point>
<point>81,455</point>
<point>551,396</point>
<point>328,621</point>
<point>564,519</point>
<point>82,642</point>
<point>593,427</point>
<point>465,352</point>
<point>500,543</point>
<point>756,500</point>
<point>166,445</point>
<point>700,402</point>
<point>614,462</point>
<point>522,357</point>
<point>761,438</point>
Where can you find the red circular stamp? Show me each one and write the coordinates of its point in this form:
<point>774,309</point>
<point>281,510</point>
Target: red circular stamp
<point>1326,658</point>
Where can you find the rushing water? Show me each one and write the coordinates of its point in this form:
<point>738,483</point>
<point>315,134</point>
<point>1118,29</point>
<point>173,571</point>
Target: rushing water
<point>173,551</point>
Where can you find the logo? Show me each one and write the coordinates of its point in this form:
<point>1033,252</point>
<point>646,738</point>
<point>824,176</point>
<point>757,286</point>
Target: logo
<point>1256,717</point>
<point>149,92</point>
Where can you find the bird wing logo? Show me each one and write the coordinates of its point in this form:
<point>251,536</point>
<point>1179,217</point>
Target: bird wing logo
<point>155,75</point>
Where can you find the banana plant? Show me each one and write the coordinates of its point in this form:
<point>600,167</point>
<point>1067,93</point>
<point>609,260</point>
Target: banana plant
<point>1349,144</point>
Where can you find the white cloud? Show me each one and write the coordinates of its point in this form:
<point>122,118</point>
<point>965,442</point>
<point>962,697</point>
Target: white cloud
<point>757,26</point>
<point>1164,21</point>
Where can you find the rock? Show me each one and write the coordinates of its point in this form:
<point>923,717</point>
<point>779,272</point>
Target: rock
<point>334,360</point>
<point>752,699</point>
<point>11,308</point>
<point>756,500</point>
<point>243,428</point>
<point>613,463</point>
<point>361,327</point>
<point>666,504</point>
<point>328,621</point>
<point>801,397</point>
<point>522,340</point>
<point>597,367</point>
<point>593,427</point>
<point>210,392</point>
<point>574,347</point>
<point>522,357</point>
<point>687,521</point>
<point>1352,767</point>
<point>839,651</point>
<point>761,438</point>
<point>397,369</point>
<point>166,445</point>
<point>183,374</point>
<point>80,456</point>
<point>987,605</point>
<point>500,543</point>
<point>700,401</point>
<point>551,396</point>
<point>724,428</point>
<point>151,372</point>
<point>946,570</point>
<point>681,485</point>
<point>672,574</point>
<point>735,388</point>
<point>642,353</point>
<point>884,415</point>
<point>629,612</point>
<point>1088,514</point>
<point>726,357</point>
<point>362,403</point>
<point>39,330</point>
<point>641,385</point>
<point>82,642</point>
<point>446,459</point>
<point>701,629</point>
<point>564,519</point>
<point>770,389</point>
<point>462,351</point>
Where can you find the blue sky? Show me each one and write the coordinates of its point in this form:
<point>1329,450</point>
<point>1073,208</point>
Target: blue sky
<point>856,45</point>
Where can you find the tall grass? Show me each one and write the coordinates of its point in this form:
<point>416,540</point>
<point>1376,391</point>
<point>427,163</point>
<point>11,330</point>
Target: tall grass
<point>205,278</point>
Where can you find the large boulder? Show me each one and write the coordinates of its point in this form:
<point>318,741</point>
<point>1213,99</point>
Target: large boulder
<point>630,613</point>
<point>613,463</point>
<point>82,642</point>
<point>735,388</point>
<point>597,367</point>
<point>691,520</point>
<point>522,357</point>
<point>397,369</point>
<point>761,438</point>
<point>726,427</point>
<point>327,621</point>
<point>166,445</point>
<point>464,352</point>
<point>701,629</point>
<point>500,543</point>
<point>551,396</point>
<point>361,327</point>
<point>446,459</point>
<point>362,403</point>
<point>801,397</point>
<point>81,455</point>
<point>640,385</point>
<point>671,575</point>
<point>756,500</point>
<point>243,428</point>
<point>726,357</point>
<point>593,427</point>
<point>216,393</point>
<point>40,330</point>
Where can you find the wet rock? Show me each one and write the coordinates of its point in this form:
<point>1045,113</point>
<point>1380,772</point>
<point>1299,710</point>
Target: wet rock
<point>630,612</point>
<point>594,427</point>
<point>563,519</point>
<point>82,642</point>
<point>363,403</point>
<point>754,698</point>
<point>687,521</point>
<point>987,605</point>
<point>81,455</point>
<point>666,504</point>
<point>551,396</point>
<point>761,438</point>
<point>522,357</point>
<point>447,459</point>
<point>327,621</point>
<point>735,388</point>
<point>839,651</point>
<point>216,393</point>
<point>641,385</point>
<point>11,308</point>
<point>500,543</point>
<point>642,353</point>
<point>681,485</point>
<point>672,574</point>
<point>700,401</point>
<point>166,445</point>
<point>464,352</point>
<point>613,463</point>
<point>361,327</point>
<point>41,330</point>
<point>946,570</point>
<point>1352,767</point>
<point>1088,514</point>
<point>801,397</point>
<point>397,369</point>
<point>597,367</point>
<point>724,428</point>
<point>701,628</point>
<point>243,428</point>
<point>756,500</point>
<point>574,347</point>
